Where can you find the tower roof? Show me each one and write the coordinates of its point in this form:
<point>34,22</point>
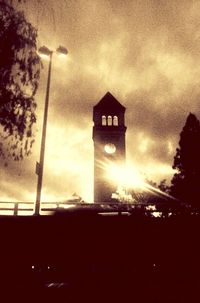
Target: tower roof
<point>109,103</point>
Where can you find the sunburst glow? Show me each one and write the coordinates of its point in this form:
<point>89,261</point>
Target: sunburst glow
<point>129,178</point>
<point>126,176</point>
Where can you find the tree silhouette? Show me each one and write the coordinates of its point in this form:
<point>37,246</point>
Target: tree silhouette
<point>186,181</point>
<point>19,76</point>
<point>164,187</point>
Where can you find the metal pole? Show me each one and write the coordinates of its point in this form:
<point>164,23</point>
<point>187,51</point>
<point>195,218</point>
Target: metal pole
<point>40,165</point>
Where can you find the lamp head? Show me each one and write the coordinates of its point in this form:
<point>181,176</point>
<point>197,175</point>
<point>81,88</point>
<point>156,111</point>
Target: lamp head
<point>61,50</point>
<point>44,51</point>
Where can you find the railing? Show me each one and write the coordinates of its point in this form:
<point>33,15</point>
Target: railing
<point>47,208</point>
<point>28,208</point>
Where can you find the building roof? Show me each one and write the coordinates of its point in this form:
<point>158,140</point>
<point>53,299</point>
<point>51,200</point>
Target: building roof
<point>109,102</point>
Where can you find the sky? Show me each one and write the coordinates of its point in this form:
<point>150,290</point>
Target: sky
<point>146,53</point>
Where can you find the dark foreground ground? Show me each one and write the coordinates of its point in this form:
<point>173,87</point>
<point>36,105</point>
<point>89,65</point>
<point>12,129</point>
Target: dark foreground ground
<point>90,258</point>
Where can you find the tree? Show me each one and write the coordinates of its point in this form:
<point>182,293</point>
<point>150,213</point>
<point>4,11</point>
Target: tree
<point>19,77</point>
<point>186,181</point>
<point>164,187</point>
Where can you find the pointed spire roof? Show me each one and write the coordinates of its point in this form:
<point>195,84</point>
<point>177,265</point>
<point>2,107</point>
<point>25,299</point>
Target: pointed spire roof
<point>109,103</point>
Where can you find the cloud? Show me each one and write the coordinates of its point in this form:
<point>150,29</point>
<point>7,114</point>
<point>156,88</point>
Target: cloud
<point>146,53</point>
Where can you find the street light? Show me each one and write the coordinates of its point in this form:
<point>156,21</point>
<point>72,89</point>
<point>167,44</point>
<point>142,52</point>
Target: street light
<point>44,51</point>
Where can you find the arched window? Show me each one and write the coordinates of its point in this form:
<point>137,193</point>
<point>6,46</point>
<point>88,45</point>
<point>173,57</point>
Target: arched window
<point>115,121</point>
<point>103,120</point>
<point>109,120</point>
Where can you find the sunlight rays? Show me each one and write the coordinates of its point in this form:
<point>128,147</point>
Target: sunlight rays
<point>129,179</point>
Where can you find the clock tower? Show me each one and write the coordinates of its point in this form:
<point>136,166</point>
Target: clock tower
<point>109,145</point>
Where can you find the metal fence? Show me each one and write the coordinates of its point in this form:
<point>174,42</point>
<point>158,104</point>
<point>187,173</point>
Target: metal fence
<point>48,208</point>
<point>28,208</point>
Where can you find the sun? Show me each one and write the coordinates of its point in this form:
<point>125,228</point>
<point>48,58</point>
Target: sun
<point>125,176</point>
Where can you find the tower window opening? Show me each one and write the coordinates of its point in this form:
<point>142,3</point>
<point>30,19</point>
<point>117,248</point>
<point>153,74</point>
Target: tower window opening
<point>115,121</point>
<point>109,120</point>
<point>103,120</point>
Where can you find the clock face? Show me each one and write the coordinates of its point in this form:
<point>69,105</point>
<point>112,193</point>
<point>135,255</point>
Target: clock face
<point>110,148</point>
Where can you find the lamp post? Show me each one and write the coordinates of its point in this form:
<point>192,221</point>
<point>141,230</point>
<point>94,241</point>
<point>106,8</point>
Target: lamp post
<point>44,51</point>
